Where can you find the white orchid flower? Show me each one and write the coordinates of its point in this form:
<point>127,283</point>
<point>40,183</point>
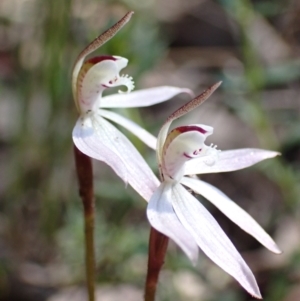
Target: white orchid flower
<point>175,212</point>
<point>93,135</point>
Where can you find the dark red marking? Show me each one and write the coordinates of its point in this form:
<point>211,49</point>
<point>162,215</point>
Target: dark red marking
<point>187,156</point>
<point>188,128</point>
<point>197,151</point>
<point>100,58</point>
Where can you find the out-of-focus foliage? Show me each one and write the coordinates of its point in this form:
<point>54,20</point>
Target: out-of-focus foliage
<point>253,46</point>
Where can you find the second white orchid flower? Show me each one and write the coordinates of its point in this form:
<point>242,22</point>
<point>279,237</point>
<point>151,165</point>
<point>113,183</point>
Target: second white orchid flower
<point>93,135</point>
<point>175,212</point>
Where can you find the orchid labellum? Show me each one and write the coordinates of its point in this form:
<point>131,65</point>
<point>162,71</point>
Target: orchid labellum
<point>175,212</point>
<point>93,135</point>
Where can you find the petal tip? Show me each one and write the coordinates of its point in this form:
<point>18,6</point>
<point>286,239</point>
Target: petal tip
<point>256,294</point>
<point>188,91</point>
<point>194,261</point>
<point>259,297</point>
<point>270,154</point>
<point>274,153</point>
<point>276,250</point>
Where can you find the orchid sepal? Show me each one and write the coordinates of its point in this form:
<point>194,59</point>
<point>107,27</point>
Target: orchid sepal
<point>117,151</point>
<point>143,98</point>
<point>161,215</point>
<point>211,239</point>
<point>235,213</point>
<point>229,160</point>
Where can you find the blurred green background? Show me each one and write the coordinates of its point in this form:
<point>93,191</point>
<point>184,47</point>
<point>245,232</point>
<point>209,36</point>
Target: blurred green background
<point>252,46</point>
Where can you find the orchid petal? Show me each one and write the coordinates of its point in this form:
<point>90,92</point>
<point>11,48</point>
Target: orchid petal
<point>232,211</point>
<point>102,141</point>
<point>230,160</point>
<point>142,98</point>
<point>95,44</point>
<point>88,142</point>
<point>161,216</point>
<point>211,238</point>
<point>181,112</point>
<point>131,126</point>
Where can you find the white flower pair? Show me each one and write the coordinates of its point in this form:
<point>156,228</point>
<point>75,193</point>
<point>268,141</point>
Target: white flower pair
<point>172,210</point>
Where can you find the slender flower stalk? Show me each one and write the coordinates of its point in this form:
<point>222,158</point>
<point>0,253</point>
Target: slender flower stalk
<point>158,244</point>
<point>176,213</point>
<point>84,171</point>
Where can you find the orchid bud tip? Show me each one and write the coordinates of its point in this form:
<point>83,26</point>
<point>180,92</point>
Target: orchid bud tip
<point>129,15</point>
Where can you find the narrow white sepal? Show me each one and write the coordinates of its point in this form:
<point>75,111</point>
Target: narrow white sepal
<point>105,140</point>
<point>142,98</point>
<point>131,126</point>
<point>229,160</point>
<point>232,211</point>
<point>211,238</point>
<point>161,216</point>
<point>88,142</point>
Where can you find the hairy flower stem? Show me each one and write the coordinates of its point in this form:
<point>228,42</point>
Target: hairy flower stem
<point>84,171</point>
<point>158,244</point>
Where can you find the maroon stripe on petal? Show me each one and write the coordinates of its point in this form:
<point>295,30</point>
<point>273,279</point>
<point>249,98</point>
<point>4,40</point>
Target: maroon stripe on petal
<point>189,128</point>
<point>98,59</point>
<point>187,156</point>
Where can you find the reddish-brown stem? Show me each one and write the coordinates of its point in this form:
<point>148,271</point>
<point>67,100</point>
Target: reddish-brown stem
<point>158,244</point>
<point>84,171</point>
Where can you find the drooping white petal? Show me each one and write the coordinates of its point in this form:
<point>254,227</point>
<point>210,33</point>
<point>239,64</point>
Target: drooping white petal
<point>229,160</point>
<point>101,140</point>
<point>88,142</point>
<point>142,98</point>
<point>161,216</point>
<point>134,128</point>
<point>232,211</point>
<point>211,238</point>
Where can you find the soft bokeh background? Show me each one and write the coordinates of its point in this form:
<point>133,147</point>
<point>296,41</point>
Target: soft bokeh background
<point>253,46</point>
